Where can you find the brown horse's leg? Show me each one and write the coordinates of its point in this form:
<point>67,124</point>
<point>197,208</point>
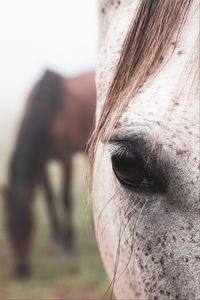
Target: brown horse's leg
<point>51,207</point>
<point>68,207</point>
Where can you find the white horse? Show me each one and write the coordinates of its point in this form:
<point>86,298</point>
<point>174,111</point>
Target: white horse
<point>144,151</point>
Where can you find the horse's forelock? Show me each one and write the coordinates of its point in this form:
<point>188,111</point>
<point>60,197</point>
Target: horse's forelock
<point>156,27</point>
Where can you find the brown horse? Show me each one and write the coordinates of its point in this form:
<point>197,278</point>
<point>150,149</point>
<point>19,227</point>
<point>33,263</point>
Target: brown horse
<point>57,123</point>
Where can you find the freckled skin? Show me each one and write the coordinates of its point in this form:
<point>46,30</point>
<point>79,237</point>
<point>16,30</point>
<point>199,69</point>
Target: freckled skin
<point>159,242</point>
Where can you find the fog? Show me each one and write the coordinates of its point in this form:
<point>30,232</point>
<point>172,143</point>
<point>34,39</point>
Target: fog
<point>40,34</point>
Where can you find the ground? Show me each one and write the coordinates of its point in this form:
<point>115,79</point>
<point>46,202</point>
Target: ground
<point>56,274</point>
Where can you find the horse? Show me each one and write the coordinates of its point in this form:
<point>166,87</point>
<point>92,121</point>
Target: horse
<point>57,123</point>
<point>144,152</point>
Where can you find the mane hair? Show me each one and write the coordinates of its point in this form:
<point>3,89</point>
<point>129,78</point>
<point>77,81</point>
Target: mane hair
<point>153,33</point>
<point>33,137</point>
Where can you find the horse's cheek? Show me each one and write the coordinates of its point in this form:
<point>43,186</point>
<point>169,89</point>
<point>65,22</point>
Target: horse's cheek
<point>166,256</point>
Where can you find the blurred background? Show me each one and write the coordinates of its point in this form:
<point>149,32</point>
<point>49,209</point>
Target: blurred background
<point>35,36</point>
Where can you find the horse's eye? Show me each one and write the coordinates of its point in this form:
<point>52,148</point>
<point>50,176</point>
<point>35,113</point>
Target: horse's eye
<point>131,172</point>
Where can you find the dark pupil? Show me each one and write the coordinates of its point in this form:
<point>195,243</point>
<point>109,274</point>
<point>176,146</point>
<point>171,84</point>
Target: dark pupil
<point>129,168</point>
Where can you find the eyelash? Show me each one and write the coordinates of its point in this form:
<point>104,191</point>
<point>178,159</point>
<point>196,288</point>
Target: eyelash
<point>118,149</point>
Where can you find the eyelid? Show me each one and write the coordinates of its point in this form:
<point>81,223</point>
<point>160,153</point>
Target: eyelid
<point>144,143</point>
<point>137,140</point>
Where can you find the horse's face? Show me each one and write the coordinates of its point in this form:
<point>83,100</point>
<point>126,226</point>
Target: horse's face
<point>18,204</point>
<point>146,178</point>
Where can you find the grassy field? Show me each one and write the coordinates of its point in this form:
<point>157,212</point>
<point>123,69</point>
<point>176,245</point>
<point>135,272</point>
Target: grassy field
<point>56,275</point>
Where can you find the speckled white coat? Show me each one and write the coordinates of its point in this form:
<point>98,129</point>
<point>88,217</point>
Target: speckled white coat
<point>159,250</point>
